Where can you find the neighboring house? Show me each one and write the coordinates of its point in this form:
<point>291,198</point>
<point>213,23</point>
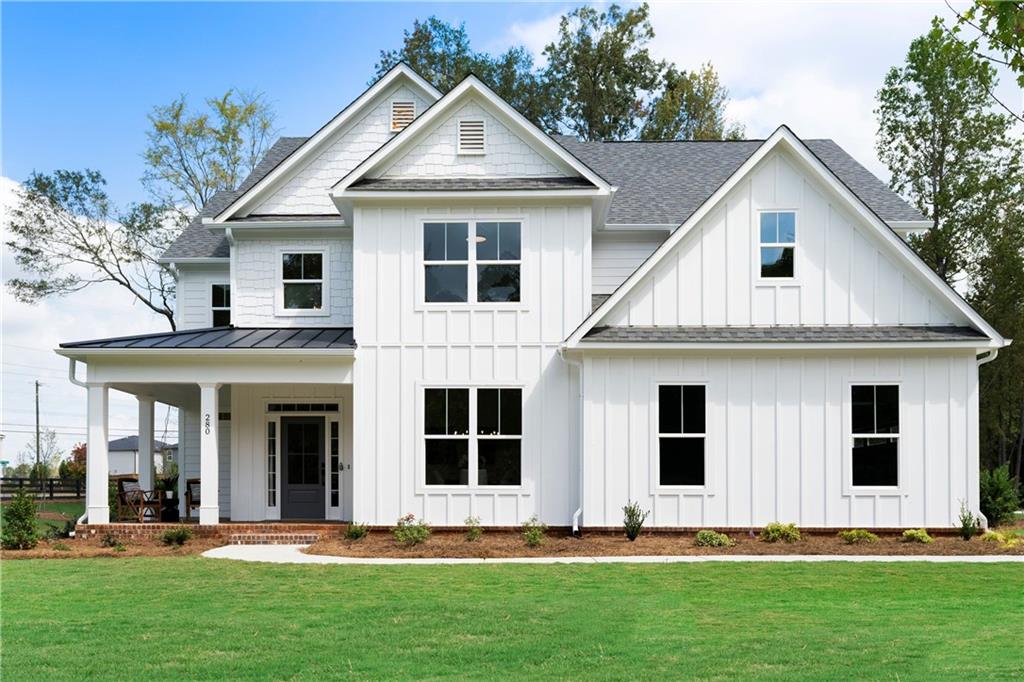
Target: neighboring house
<point>436,308</point>
<point>123,455</point>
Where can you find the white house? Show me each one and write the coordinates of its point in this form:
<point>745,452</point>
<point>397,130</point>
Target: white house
<point>123,455</point>
<point>431,306</point>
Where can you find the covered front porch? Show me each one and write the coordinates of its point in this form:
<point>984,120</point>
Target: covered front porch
<point>265,426</point>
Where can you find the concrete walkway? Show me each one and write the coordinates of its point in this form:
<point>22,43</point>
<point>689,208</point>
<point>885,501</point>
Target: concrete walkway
<point>292,554</point>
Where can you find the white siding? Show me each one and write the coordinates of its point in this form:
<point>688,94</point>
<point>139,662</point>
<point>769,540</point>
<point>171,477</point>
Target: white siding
<point>778,439</point>
<point>307,191</point>
<point>193,303</point>
<point>256,282</point>
<point>844,274</point>
<point>618,254</point>
<point>506,153</point>
<point>402,346</point>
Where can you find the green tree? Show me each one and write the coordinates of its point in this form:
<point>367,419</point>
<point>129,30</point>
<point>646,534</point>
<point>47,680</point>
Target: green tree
<point>1000,25</point>
<point>690,106</point>
<point>66,236</point>
<point>948,152</point>
<point>19,526</point>
<point>49,455</point>
<point>73,467</point>
<point>190,156</point>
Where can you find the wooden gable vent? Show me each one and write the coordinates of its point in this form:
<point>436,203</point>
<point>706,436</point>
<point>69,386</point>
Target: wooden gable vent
<point>471,136</point>
<point>402,114</point>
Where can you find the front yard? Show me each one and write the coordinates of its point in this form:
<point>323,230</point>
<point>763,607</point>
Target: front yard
<point>178,617</point>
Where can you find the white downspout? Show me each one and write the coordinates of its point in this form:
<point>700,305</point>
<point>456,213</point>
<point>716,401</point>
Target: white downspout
<point>576,515</point>
<point>72,365</point>
<point>984,360</point>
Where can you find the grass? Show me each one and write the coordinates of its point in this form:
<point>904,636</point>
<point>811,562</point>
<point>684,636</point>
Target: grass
<point>70,509</point>
<point>198,618</point>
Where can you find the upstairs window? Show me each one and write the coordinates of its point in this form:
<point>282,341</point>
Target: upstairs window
<point>220,304</point>
<point>875,425</point>
<point>681,435</point>
<point>778,244</point>
<point>487,273</point>
<point>472,136</point>
<point>402,114</point>
<point>302,279</point>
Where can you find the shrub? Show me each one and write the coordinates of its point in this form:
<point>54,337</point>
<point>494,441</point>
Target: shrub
<point>1004,539</point>
<point>473,529</point>
<point>633,520</point>
<point>711,538</point>
<point>409,531</point>
<point>120,548</point>
<point>969,523</point>
<point>917,535</point>
<point>999,499</point>
<point>780,532</point>
<point>356,531</point>
<point>19,531</point>
<point>856,536</point>
<point>57,532</point>
<point>176,536</point>
<point>533,532</point>
<point>61,547</point>
<point>108,540</point>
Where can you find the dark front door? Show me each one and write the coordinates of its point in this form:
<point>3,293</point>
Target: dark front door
<point>303,488</point>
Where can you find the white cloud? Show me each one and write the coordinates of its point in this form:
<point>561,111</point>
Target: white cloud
<point>533,35</point>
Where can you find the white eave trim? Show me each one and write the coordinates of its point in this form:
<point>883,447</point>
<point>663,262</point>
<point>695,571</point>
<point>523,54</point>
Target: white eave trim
<point>453,194</point>
<point>640,227</point>
<point>246,225</point>
<point>909,225</point>
<point>786,345</point>
<point>84,353</point>
<point>209,260</point>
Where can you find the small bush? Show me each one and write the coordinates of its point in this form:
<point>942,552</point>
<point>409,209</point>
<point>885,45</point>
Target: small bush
<point>533,532</point>
<point>19,531</point>
<point>120,548</point>
<point>999,499</point>
<point>108,540</point>
<point>917,535</point>
<point>409,531</point>
<point>1004,539</point>
<point>633,520</point>
<point>969,523</point>
<point>176,536</point>
<point>61,547</point>
<point>856,536</point>
<point>473,529</point>
<point>711,538</point>
<point>780,532</point>
<point>356,531</point>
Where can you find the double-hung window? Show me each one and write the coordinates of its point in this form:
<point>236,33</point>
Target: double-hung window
<point>220,304</point>
<point>875,422</point>
<point>472,262</point>
<point>778,244</point>
<point>302,281</point>
<point>681,435</point>
<point>472,436</point>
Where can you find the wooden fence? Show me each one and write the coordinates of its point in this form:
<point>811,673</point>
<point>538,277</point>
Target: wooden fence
<point>50,488</point>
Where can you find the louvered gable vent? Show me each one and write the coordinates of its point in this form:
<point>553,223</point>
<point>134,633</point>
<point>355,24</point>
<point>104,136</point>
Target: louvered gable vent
<point>402,114</point>
<point>471,136</point>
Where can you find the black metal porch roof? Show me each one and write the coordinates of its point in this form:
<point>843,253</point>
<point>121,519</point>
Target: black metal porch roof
<point>234,338</point>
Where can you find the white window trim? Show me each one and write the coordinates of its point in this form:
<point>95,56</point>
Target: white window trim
<point>795,245</point>
<point>524,488</point>
<point>391,114</point>
<point>325,287</point>
<point>849,489</point>
<point>655,463</point>
<point>211,308</point>
<point>458,136</point>
<point>471,263</point>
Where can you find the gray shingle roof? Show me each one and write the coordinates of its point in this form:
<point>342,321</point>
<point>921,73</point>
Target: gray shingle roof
<point>219,338</point>
<point>849,334</point>
<point>664,182</point>
<point>131,443</point>
<point>469,184</point>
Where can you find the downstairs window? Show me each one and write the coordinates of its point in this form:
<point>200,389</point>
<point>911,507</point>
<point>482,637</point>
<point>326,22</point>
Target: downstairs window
<point>875,421</point>
<point>681,435</point>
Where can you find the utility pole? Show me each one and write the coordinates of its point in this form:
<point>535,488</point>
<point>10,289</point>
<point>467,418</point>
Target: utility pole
<point>37,438</point>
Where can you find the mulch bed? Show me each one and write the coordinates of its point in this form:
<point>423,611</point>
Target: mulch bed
<point>509,544</point>
<point>88,547</point>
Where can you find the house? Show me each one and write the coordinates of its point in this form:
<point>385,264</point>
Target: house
<point>123,455</point>
<point>431,306</point>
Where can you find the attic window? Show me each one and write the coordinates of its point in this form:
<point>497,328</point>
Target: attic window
<point>402,114</point>
<point>471,136</point>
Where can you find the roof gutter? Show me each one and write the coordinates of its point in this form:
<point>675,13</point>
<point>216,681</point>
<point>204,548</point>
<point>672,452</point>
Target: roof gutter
<point>81,353</point>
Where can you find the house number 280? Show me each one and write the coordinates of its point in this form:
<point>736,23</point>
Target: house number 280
<point>206,423</point>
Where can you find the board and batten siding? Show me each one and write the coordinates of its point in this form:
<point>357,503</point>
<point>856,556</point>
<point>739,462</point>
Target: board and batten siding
<point>844,274</point>
<point>617,254</point>
<point>194,291</point>
<point>404,346</point>
<point>778,439</point>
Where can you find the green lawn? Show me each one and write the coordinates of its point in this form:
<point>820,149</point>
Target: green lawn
<point>71,509</point>
<point>198,618</point>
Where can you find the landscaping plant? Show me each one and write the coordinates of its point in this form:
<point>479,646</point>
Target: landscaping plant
<point>19,531</point>
<point>711,538</point>
<point>176,536</point>
<point>533,532</point>
<point>356,531</point>
<point>1004,539</point>
<point>108,540</point>
<point>780,532</point>
<point>61,547</point>
<point>999,499</point>
<point>473,529</point>
<point>633,519</point>
<point>409,531</point>
<point>856,536</point>
<point>917,535</point>
<point>969,523</point>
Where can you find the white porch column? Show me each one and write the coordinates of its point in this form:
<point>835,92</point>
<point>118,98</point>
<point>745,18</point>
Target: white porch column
<point>209,504</point>
<point>97,471</point>
<point>146,443</point>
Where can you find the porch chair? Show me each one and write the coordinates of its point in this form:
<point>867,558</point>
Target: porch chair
<point>192,496</point>
<point>133,503</point>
